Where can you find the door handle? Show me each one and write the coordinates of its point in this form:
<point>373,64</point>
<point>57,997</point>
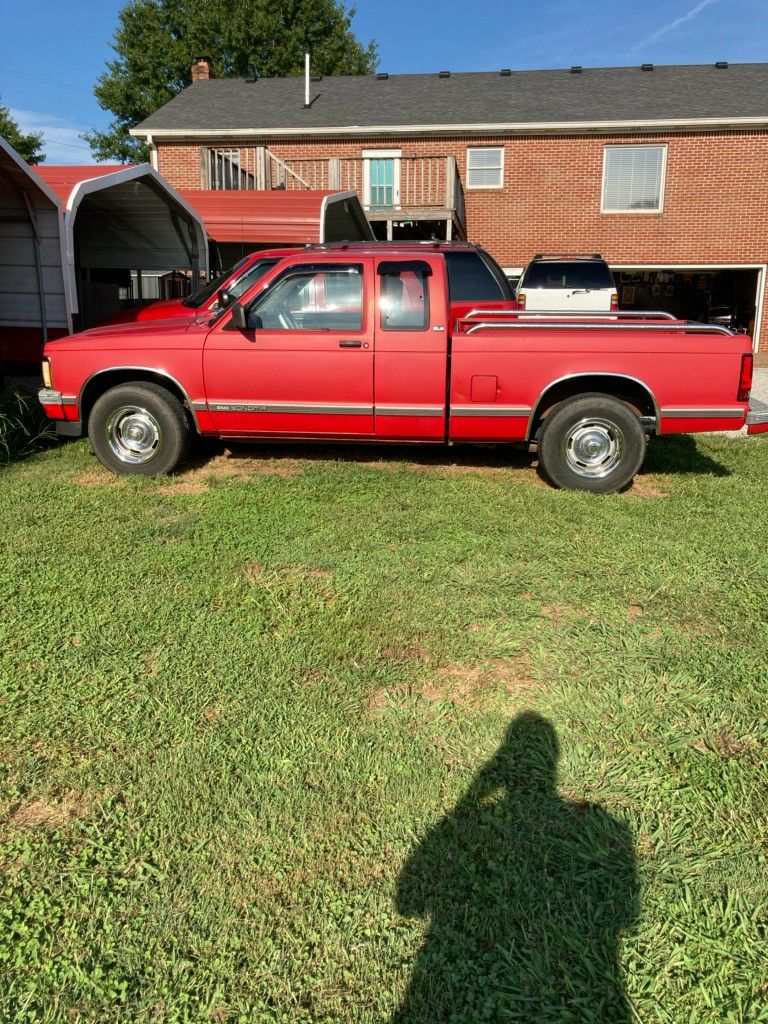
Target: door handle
<point>349,343</point>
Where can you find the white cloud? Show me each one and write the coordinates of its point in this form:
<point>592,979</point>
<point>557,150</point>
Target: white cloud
<point>675,23</point>
<point>61,137</point>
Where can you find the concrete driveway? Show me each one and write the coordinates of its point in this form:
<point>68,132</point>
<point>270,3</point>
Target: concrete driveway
<point>760,384</point>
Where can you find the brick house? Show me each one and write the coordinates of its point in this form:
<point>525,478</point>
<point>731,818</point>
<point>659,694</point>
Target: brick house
<point>661,169</point>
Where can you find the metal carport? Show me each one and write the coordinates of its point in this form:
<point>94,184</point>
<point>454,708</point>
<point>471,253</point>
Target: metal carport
<point>241,221</point>
<point>119,220</point>
<point>35,301</point>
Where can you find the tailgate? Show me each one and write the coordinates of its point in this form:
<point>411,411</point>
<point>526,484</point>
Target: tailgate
<point>757,417</point>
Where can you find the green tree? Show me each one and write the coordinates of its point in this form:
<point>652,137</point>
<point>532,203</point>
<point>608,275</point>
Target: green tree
<point>157,40</point>
<point>30,147</point>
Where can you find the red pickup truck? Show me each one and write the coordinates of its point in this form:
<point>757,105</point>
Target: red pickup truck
<point>356,342</point>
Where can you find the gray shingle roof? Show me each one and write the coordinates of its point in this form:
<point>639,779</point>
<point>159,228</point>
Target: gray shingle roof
<point>686,92</point>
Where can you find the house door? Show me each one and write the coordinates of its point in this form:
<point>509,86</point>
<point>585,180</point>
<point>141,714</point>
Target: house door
<point>381,179</point>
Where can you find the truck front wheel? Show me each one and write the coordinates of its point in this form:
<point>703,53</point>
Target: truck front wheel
<point>591,443</point>
<point>139,429</point>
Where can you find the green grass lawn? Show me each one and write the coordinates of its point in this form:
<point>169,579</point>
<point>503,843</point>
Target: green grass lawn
<point>384,736</point>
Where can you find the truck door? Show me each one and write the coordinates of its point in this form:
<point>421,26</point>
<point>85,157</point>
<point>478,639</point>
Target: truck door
<point>411,348</point>
<point>304,364</point>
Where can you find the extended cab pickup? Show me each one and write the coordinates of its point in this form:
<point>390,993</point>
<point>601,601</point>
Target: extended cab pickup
<point>357,342</point>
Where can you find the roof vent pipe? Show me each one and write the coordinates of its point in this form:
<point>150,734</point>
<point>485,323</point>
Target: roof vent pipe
<point>306,80</point>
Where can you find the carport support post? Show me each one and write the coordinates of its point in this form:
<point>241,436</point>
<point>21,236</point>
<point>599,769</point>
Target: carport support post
<point>38,266</point>
<point>193,254</point>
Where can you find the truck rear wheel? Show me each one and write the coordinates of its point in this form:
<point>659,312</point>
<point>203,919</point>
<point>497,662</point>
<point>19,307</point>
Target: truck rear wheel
<point>591,443</point>
<point>139,429</point>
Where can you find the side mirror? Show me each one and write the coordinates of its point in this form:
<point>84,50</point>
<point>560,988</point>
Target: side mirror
<point>225,298</point>
<point>238,317</point>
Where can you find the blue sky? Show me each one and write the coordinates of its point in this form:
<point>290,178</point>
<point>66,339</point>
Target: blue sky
<point>58,49</point>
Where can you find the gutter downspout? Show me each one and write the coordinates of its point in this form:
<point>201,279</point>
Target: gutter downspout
<point>152,146</point>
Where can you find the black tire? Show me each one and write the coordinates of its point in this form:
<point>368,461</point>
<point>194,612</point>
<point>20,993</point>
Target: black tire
<point>591,443</point>
<point>139,429</point>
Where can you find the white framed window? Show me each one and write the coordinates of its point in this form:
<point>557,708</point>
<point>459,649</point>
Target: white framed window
<point>633,179</point>
<point>485,167</point>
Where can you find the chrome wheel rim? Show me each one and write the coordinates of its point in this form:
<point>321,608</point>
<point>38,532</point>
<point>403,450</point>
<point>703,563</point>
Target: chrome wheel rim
<point>593,447</point>
<point>133,435</point>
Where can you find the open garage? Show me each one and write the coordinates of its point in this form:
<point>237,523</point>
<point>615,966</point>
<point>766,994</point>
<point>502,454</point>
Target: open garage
<point>727,294</point>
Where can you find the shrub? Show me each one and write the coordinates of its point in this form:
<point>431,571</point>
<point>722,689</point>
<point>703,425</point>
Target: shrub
<point>23,426</point>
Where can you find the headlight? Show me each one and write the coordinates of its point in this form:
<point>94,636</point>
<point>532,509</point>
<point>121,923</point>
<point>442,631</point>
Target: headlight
<point>47,375</point>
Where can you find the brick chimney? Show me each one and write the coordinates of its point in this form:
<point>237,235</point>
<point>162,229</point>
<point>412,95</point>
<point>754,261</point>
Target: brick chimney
<point>202,69</point>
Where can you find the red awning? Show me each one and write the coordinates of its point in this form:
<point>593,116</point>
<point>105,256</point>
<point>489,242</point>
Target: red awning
<point>285,216</point>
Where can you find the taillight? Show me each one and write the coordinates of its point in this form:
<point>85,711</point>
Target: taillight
<point>614,303</point>
<point>745,378</point>
<point>521,300</point>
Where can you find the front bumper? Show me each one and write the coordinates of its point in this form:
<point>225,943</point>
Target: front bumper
<point>757,417</point>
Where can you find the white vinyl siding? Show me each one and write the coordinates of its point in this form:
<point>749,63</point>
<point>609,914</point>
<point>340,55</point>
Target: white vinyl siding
<point>633,179</point>
<point>485,167</point>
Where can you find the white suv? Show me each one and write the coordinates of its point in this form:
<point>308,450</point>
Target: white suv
<point>567,283</point>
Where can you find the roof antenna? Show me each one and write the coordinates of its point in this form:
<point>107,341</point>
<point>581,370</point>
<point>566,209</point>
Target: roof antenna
<point>306,80</point>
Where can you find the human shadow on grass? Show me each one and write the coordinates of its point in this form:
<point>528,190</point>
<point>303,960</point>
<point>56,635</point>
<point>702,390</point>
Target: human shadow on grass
<point>527,894</point>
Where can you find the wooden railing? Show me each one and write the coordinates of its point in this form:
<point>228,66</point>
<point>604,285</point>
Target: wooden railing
<point>419,182</point>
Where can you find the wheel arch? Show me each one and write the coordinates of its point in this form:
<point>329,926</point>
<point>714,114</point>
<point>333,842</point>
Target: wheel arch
<point>617,385</point>
<point>104,380</point>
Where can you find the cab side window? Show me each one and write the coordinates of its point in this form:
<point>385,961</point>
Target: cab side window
<point>320,298</point>
<point>404,295</point>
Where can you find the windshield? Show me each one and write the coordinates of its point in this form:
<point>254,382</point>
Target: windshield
<point>253,274</point>
<point>552,274</point>
<point>237,286</point>
<point>201,296</point>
